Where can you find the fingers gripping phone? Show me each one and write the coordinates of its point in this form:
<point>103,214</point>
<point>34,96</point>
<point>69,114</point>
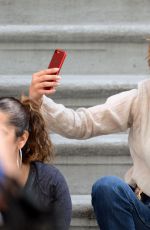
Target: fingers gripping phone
<point>57,59</point>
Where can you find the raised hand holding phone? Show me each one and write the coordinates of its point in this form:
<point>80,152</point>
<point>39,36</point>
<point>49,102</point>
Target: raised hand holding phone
<point>45,81</point>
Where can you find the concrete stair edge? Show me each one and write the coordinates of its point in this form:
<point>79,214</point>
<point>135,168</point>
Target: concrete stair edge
<point>127,32</point>
<point>95,157</point>
<point>70,84</point>
<point>105,145</point>
<point>82,206</point>
<point>77,11</point>
<point>75,90</point>
<point>83,214</point>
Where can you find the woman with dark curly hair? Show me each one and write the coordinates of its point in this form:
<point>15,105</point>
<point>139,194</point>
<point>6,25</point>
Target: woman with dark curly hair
<point>24,147</point>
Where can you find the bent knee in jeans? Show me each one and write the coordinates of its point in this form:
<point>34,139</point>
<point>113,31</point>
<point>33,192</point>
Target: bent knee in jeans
<point>107,186</point>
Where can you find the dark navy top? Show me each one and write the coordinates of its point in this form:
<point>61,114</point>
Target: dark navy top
<point>50,191</point>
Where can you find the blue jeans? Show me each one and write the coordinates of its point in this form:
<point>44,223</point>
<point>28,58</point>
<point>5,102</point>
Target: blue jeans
<point>116,206</point>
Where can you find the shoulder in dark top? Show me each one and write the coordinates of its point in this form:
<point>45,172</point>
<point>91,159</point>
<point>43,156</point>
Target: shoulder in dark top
<point>45,182</point>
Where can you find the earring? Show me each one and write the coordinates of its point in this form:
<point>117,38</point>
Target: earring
<point>19,159</point>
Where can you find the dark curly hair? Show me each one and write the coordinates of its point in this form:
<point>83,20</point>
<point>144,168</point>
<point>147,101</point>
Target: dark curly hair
<point>24,114</point>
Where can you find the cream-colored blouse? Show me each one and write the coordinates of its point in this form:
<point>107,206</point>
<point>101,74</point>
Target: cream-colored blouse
<point>130,109</point>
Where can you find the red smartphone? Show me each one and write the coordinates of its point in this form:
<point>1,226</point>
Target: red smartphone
<point>57,59</point>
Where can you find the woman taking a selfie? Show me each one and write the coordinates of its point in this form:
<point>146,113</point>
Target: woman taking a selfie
<point>118,204</point>
<point>24,147</point>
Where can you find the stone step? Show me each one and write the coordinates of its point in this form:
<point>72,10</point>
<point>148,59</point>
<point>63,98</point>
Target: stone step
<point>84,161</point>
<point>88,90</point>
<point>118,32</point>
<point>93,49</point>
<point>75,90</point>
<point>83,216</point>
<point>73,12</point>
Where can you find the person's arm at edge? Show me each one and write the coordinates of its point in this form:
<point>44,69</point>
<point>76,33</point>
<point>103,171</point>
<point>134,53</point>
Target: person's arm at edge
<point>112,117</point>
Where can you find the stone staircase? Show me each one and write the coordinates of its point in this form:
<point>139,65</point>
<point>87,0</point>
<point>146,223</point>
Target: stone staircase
<point>106,46</point>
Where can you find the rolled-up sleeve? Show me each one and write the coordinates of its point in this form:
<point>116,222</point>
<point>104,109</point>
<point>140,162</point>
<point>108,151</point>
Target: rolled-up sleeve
<point>115,115</point>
